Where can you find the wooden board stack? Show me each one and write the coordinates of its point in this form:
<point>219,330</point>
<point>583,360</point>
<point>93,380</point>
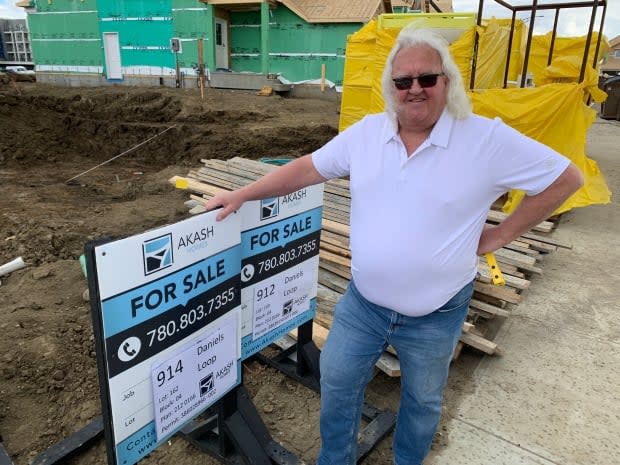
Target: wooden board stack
<point>518,260</point>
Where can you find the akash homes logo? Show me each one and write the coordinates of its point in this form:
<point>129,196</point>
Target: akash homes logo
<point>269,208</point>
<point>157,253</point>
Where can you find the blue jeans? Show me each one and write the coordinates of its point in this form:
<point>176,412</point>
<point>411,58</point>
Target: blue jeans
<point>360,332</point>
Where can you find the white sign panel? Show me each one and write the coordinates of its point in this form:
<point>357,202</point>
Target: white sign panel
<point>279,270</point>
<point>158,294</point>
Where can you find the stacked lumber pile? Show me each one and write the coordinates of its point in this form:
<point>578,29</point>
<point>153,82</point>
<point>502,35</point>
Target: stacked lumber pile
<point>518,260</point>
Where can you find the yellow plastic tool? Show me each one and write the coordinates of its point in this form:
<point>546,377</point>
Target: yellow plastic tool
<point>496,273</point>
<point>181,183</point>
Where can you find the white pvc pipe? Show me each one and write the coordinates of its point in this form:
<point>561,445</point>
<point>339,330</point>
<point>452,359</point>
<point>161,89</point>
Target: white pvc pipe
<point>12,266</point>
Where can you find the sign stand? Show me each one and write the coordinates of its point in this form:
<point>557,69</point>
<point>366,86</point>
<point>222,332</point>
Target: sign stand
<point>70,446</point>
<point>166,311</point>
<point>5,458</point>
<point>301,362</point>
<point>243,437</point>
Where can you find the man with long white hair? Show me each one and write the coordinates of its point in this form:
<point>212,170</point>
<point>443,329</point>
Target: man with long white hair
<point>423,176</point>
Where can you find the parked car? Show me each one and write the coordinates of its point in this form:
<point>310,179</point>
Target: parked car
<point>20,73</point>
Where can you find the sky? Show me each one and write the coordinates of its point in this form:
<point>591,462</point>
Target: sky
<point>572,22</point>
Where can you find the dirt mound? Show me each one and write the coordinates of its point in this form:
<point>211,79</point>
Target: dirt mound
<point>98,124</point>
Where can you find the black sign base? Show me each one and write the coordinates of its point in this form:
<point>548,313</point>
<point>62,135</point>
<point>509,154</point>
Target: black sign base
<point>301,362</point>
<point>244,439</point>
<point>235,434</point>
<point>61,452</point>
<point>5,458</point>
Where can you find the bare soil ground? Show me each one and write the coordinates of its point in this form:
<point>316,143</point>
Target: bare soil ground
<point>48,376</point>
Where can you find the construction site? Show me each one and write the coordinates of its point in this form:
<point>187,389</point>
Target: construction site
<point>108,146</point>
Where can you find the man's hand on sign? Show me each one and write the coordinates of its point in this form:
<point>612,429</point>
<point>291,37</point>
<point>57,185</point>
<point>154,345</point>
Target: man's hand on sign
<point>229,202</point>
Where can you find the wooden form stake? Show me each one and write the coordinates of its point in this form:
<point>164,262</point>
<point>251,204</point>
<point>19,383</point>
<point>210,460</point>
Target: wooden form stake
<point>201,68</point>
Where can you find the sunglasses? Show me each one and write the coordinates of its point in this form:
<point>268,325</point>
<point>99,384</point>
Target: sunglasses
<point>425,81</point>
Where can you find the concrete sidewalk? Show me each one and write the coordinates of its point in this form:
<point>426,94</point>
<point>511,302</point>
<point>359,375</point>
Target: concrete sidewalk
<point>554,396</point>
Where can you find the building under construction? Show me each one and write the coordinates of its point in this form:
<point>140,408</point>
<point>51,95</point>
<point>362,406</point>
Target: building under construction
<point>164,42</point>
<point>14,43</point>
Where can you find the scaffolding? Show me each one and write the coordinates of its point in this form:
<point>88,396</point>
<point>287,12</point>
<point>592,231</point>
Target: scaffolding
<point>533,8</point>
<point>14,42</point>
<point>17,46</point>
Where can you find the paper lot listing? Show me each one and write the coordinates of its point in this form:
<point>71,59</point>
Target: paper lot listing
<point>170,302</point>
<point>194,378</point>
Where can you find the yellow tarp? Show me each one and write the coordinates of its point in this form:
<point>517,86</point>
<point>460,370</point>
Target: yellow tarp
<point>494,35</point>
<point>554,114</point>
<point>564,48</point>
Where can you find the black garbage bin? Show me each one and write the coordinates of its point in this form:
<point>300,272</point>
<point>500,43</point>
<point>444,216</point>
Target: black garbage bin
<point>610,109</point>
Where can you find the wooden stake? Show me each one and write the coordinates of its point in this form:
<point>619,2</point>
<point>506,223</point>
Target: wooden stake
<point>322,77</point>
<point>201,69</point>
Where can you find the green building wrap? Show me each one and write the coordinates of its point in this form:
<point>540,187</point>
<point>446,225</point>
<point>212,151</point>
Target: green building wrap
<point>297,48</point>
<point>65,36</point>
<point>136,36</point>
<point>192,21</point>
<point>143,30</point>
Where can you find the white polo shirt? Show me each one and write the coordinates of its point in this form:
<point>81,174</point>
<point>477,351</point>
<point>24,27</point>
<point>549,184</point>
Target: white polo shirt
<point>416,221</point>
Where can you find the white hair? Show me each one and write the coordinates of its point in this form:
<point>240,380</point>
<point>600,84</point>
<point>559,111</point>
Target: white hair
<point>457,102</point>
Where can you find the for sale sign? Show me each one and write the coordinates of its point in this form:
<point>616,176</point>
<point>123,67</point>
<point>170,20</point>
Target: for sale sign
<point>166,313</point>
<point>279,273</point>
